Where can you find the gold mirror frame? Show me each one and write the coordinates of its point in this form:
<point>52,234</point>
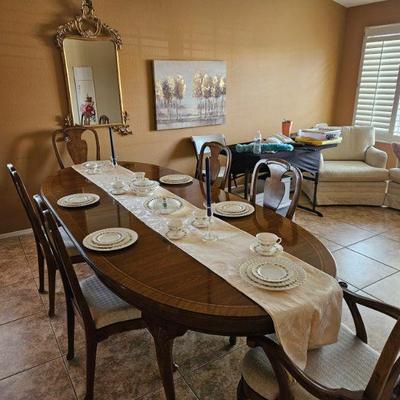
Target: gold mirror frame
<point>88,26</point>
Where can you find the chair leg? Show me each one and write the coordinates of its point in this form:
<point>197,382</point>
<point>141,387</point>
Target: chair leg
<point>71,332</point>
<point>40,267</point>
<point>232,340</point>
<point>91,349</point>
<point>51,272</point>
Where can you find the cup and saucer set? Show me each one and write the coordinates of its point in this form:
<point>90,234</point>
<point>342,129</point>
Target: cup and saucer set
<point>176,229</point>
<point>267,244</point>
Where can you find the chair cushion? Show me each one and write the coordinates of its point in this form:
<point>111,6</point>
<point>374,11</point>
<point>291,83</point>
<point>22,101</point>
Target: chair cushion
<point>356,141</point>
<point>349,364</point>
<point>352,171</point>
<point>105,306</point>
<point>71,249</point>
<point>394,175</point>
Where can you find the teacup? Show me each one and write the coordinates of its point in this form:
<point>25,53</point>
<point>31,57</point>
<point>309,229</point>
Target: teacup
<point>266,241</point>
<point>200,219</point>
<point>117,185</point>
<point>175,229</point>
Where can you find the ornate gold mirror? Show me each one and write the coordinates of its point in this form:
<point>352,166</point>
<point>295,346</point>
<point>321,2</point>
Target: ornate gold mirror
<point>89,50</point>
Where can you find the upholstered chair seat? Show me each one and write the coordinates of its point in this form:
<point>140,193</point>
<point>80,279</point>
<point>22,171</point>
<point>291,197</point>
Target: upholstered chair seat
<point>105,306</point>
<point>332,366</point>
<point>394,174</point>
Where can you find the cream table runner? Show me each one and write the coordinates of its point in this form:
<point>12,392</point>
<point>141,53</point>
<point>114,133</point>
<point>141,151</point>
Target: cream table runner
<point>305,317</point>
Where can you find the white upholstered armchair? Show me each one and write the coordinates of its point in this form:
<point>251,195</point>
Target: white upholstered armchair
<point>393,194</point>
<point>354,172</point>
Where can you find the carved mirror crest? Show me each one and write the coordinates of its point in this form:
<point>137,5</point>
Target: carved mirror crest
<point>89,50</point>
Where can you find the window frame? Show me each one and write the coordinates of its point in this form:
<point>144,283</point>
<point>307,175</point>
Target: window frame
<point>370,31</point>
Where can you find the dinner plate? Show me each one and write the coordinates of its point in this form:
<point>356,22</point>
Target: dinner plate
<point>260,272</point>
<point>110,239</point>
<point>78,200</point>
<point>176,179</point>
<point>236,209</point>
<point>163,205</point>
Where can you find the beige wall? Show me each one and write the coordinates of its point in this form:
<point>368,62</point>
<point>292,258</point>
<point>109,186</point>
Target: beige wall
<point>282,58</point>
<point>386,12</point>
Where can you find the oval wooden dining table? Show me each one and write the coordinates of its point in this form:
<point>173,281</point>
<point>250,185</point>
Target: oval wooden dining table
<point>175,292</point>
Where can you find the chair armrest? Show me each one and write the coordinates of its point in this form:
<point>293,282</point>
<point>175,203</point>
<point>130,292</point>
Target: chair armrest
<point>376,305</point>
<point>352,299</point>
<point>375,157</point>
<point>281,363</point>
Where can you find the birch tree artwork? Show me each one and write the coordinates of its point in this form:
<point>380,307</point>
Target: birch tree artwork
<point>189,93</point>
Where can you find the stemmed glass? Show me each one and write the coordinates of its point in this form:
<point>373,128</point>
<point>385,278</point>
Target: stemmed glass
<point>209,235</point>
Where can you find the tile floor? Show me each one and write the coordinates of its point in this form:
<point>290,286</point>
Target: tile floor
<point>365,242</point>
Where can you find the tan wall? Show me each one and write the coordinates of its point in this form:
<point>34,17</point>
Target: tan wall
<point>281,57</point>
<point>386,12</point>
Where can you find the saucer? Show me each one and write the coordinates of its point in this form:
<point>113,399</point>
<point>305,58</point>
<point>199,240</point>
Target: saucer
<point>117,192</point>
<point>272,251</point>
<point>176,235</point>
<point>199,224</point>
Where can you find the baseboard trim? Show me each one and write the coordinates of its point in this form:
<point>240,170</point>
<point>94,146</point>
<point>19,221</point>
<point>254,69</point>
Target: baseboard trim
<point>16,233</point>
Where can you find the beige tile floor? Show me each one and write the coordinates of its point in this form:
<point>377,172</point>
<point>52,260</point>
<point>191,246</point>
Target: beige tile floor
<point>365,242</point>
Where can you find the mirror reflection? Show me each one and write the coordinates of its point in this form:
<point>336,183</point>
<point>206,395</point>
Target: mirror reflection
<point>93,81</point>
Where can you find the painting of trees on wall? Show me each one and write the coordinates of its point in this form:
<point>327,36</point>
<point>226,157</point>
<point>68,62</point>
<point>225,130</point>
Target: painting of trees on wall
<point>189,93</point>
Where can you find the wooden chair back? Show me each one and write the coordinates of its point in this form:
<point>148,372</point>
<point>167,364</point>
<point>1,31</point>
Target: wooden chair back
<point>70,280</point>
<point>274,188</point>
<point>198,142</point>
<point>386,374</point>
<point>76,146</point>
<point>214,150</point>
<point>27,204</point>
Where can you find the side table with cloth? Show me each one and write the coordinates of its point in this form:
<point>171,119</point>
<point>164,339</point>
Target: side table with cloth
<point>305,157</point>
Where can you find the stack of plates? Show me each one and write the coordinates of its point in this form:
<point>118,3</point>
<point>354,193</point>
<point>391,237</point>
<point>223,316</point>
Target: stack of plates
<point>110,239</point>
<point>275,273</point>
<point>163,205</point>
<point>233,209</point>
<point>78,200</point>
<point>176,179</point>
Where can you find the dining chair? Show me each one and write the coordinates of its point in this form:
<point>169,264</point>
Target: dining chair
<point>276,191</point>
<point>219,171</point>
<point>41,241</point>
<point>77,146</point>
<point>100,311</point>
<point>198,142</point>
<point>347,370</point>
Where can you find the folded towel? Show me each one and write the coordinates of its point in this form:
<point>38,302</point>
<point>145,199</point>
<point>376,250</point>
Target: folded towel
<point>243,148</point>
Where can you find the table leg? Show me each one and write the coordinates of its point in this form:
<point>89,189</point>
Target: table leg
<point>246,185</point>
<point>164,334</point>
<point>313,209</point>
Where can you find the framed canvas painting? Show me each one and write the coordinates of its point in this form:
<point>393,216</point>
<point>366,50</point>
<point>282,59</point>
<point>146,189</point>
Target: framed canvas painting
<point>189,93</point>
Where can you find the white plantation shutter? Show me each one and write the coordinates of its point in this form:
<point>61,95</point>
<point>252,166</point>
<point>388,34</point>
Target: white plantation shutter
<point>378,93</point>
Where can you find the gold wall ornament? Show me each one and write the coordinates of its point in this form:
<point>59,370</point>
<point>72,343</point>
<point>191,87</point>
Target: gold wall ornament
<point>90,53</point>
<point>88,26</point>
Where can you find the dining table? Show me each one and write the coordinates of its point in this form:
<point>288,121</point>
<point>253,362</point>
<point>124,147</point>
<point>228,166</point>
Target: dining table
<point>175,292</point>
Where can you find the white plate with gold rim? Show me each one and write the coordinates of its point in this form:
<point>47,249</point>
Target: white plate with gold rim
<point>78,200</point>
<point>110,239</point>
<point>270,273</point>
<point>233,209</point>
<point>176,179</point>
<point>272,251</point>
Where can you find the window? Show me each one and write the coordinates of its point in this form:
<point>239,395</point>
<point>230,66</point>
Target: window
<point>378,92</point>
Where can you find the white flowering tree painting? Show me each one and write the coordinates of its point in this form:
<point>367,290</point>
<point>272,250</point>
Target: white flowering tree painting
<point>189,93</point>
